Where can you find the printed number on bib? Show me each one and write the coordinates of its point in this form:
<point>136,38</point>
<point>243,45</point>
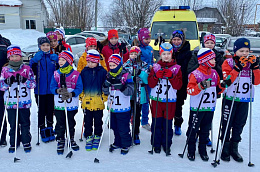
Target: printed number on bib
<point>244,89</point>
<point>159,90</point>
<point>116,99</point>
<point>208,97</point>
<point>62,101</point>
<point>16,92</point>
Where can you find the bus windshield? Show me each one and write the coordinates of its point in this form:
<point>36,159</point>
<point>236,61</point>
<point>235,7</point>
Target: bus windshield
<point>165,29</point>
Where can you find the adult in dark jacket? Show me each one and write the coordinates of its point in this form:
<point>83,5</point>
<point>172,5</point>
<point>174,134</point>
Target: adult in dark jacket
<point>4,43</point>
<point>182,54</point>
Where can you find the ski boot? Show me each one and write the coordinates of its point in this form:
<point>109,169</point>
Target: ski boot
<point>3,144</point>
<point>177,130</point>
<point>60,146</point>
<point>147,127</point>
<point>191,156</point>
<point>27,147</point>
<point>225,155</point>
<point>50,134</point>
<point>125,150</point>
<point>44,138</point>
<point>74,145</point>
<point>95,142</point>
<point>168,151</point>
<point>203,152</point>
<point>11,149</point>
<point>209,143</point>
<point>89,143</point>
<point>113,147</point>
<point>157,149</point>
<point>234,152</point>
<point>136,139</point>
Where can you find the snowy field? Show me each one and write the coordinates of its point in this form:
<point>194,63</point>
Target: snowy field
<point>45,158</point>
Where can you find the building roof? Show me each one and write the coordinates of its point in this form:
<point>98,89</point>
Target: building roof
<point>10,3</point>
<point>207,20</point>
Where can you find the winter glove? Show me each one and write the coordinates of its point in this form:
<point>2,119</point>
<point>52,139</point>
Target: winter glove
<point>241,62</point>
<point>106,84</point>
<point>38,56</point>
<point>123,47</point>
<point>136,79</point>
<point>62,90</point>
<point>225,83</point>
<point>99,46</point>
<point>19,78</point>
<point>120,87</point>
<point>67,96</point>
<point>205,84</point>
<point>254,62</point>
<point>159,74</point>
<point>10,80</point>
<point>113,80</point>
<point>168,73</point>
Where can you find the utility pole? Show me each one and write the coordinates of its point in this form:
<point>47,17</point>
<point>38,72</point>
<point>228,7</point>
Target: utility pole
<point>243,6</point>
<point>96,3</point>
<point>255,16</point>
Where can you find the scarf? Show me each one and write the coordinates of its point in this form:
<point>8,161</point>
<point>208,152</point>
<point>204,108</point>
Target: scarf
<point>115,72</point>
<point>113,47</point>
<point>15,65</point>
<point>66,69</point>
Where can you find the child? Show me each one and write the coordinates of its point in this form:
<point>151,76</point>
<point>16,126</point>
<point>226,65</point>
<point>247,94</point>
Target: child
<point>43,65</point>
<point>163,71</point>
<point>182,54</point>
<point>61,39</point>
<point>91,44</point>
<point>18,78</point>
<point>200,88</point>
<point>243,64</point>
<point>66,85</point>
<point>93,77</point>
<point>138,69</point>
<point>55,48</point>
<point>144,37</point>
<point>122,88</point>
<point>112,46</point>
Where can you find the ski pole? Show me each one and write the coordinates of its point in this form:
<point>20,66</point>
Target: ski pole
<point>227,126</point>
<point>167,150</point>
<point>68,132</point>
<point>250,164</point>
<point>215,162</point>
<point>5,112</point>
<point>16,122</point>
<point>212,150</point>
<point>193,123</point>
<point>38,127</point>
<point>82,131</point>
<point>134,115</point>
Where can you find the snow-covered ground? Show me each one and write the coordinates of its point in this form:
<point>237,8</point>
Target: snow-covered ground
<point>45,158</point>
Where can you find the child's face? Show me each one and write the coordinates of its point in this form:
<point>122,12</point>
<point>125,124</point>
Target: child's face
<point>62,61</point>
<point>166,56</point>
<point>209,44</point>
<point>91,64</point>
<point>147,40</point>
<point>113,40</point>
<point>213,62</point>
<point>45,47</point>
<point>59,36</point>
<point>176,41</point>
<point>54,43</point>
<point>242,52</point>
<point>133,55</point>
<point>92,47</point>
<point>15,58</point>
<point>112,65</point>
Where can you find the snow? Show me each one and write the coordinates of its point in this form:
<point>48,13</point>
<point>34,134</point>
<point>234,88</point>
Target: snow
<point>207,20</point>
<point>45,158</point>
<point>10,2</point>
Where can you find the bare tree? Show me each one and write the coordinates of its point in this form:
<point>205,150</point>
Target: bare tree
<point>237,13</point>
<point>132,14</point>
<point>73,13</point>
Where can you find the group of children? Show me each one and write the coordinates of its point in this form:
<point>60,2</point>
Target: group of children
<point>127,80</point>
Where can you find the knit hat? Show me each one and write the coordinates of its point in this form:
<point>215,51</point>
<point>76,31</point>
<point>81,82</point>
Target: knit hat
<point>143,33</point>
<point>115,58</point>
<point>51,35</point>
<point>241,43</point>
<point>178,33</point>
<point>67,55</point>
<point>60,31</point>
<point>166,47</point>
<point>209,37</point>
<point>135,49</point>
<point>205,54</point>
<point>91,41</point>
<point>13,50</point>
<point>93,56</point>
<point>112,33</point>
<point>43,40</point>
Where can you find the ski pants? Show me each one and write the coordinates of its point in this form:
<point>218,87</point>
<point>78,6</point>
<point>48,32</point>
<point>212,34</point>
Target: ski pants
<point>60,127</point>
<point>23,121</point>
<point>178,120</point>
<point>46,109</point>
<point>2,108</point>
<point>89,116</point>
<point>137,116</point>
<point>145,107</point>
<point>202,122</point>
<point>121,128</point>
<point>237,120</point>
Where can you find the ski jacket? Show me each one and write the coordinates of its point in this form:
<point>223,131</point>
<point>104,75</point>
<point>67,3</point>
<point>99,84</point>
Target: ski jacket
<point>83,62</point>
<point>107,51</point>
<point>159,86</point>
<point>147,54</point>
<point>24,88</point>
<point>47,64</point>
<point>243,91</point>
<point>141,93</point>
<point>74,86</point>
<point>93,79</point>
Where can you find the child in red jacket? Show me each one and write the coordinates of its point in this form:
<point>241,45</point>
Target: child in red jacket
<point>166,69</point>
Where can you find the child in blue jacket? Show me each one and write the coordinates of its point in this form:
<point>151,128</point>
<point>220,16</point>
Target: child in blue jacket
<point>43,65</point>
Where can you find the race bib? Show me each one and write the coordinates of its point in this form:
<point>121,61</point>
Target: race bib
<point>71,103</point>
<point>161,89</point>
<point>121,103</point>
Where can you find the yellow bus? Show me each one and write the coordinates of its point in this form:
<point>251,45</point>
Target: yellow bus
<point>169,18</point>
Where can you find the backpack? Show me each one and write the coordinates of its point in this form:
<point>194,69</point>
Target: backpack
<point>4,43</point>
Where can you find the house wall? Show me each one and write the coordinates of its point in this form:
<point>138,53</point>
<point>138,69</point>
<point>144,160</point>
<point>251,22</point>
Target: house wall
<point>210,13</point>
<point>12,18</point>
